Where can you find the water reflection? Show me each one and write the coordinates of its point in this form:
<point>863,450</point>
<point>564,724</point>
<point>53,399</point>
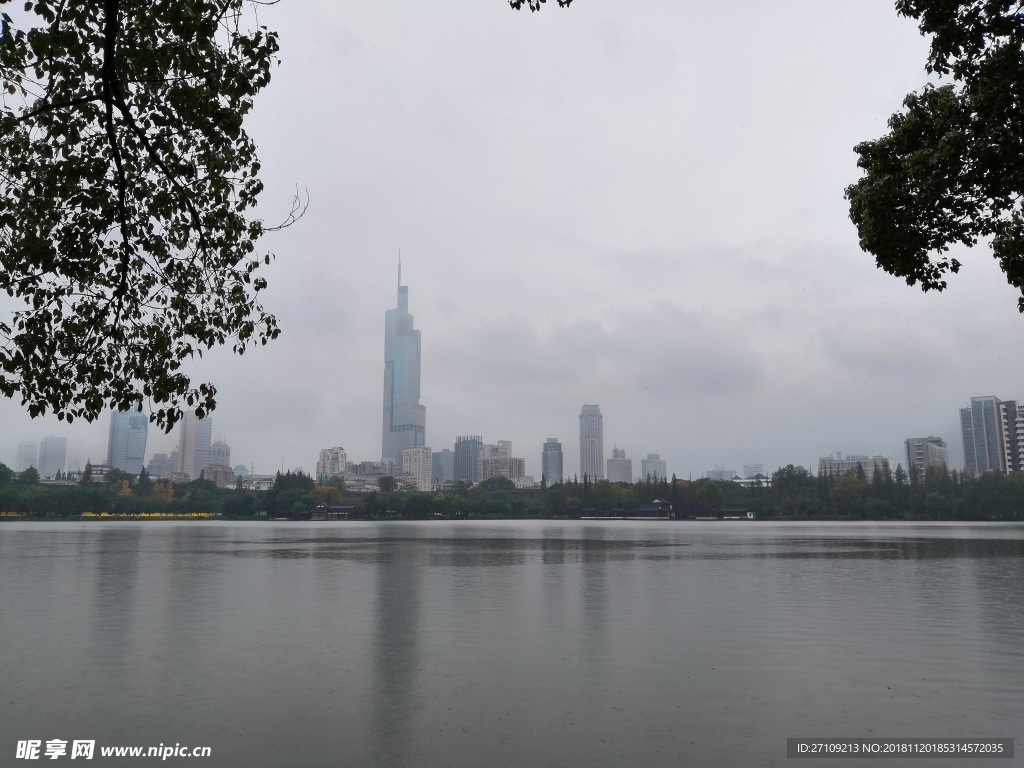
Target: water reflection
<point>562,643</point>
<point>395,699</point>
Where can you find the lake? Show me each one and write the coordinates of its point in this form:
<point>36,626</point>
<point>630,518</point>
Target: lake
<point>509,643</point>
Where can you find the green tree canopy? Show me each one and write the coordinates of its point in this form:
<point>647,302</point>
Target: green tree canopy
<point>949,172</point>
<point>126,181</point>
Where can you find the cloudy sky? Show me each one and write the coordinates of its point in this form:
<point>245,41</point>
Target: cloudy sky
<point>638,205</point>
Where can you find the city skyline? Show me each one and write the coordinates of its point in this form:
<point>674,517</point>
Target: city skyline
<point>660,229</point>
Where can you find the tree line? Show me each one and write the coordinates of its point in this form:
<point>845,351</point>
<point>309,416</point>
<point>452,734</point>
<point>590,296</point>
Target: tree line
<point>942,494</point>
<point>794,493</point>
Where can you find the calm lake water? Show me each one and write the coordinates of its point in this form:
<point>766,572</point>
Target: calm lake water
<point>509,644</point>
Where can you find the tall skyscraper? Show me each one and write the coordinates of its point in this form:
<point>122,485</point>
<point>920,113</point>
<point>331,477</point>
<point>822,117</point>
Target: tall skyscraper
<point>126,442</point>
<point>591,443</point>
<point>620,469</point>
<point>924,452</point>
<point>28,456</point>
<point>551,461</point>
<point>404,418</point>
<point>194,444</point>
<point>993,433</point>
<point>467,457</point>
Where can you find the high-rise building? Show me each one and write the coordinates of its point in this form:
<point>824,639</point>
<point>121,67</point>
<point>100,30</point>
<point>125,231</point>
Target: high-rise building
<point>924,452</point>
<point>194,444</point>
<point>160,464</point>
<point>653,467</point>
<point>752,469</point>
<point>220,454</point>
<point>840,465</point>
<point>467,457</point>
<point>126,441</point>
<point>993,434</point>
<point>404,418</point>
<point>498,461</point>
<point>551,461</point>
<point>332,463</point>
<point>442,466</point>
<point>53,452</point>
<point>620,469</point>
<point>417,466</point>
<point>591,442</point>
<point>1013,429</point>
<point>28,456</point>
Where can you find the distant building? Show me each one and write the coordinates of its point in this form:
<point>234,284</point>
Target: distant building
<point>751,470</point>
<point>417,467</point>
<point>467,455</point>
<point>160,465</point>
<point>924,452</point>
<point>332,463</point>
<point>28,456</point>
<point>442,467</point>
<point>220,454</point>
<point>404,418</point>
<point>193,444</point>
<point>620,469</point>
<point>993,435</point>
<point>721,475</point>
<point>52,454</point>
<point>126,441</point>
<point>591,442</point>
<point>498,461</point>
<point>840,465</point>
<point>653,467</point>
<point>551,461</point>
<point>223,476</point>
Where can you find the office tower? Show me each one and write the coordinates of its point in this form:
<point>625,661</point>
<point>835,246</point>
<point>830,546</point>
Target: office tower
<point>752,469</point>
<point>194,444</point>
<point>498,461</point>
<point>442,467</point>
<point>52,454</point>
<point>924,452</point>
<point>654,467</point>
<point>467,456</point>
<point>126,441</point>
<point>416,463</point>
<point>551,461</point>
<point>27,456</point>
<point>993,434</point>
<point>332,463</point>
<point>591,443</point>
<point>620,469</point>
<point>404,418</point>
<point>220,454</point>
<point>160,465</point>
<point>840,465</point>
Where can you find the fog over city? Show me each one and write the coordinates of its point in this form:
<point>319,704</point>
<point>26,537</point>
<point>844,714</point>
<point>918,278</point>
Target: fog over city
<point>638,205</point>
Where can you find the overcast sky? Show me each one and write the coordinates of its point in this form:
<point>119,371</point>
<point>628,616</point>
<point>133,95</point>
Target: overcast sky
<point>636,204</point>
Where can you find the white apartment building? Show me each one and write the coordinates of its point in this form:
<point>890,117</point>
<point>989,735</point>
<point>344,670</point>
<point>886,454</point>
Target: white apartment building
<point>416,467</point>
